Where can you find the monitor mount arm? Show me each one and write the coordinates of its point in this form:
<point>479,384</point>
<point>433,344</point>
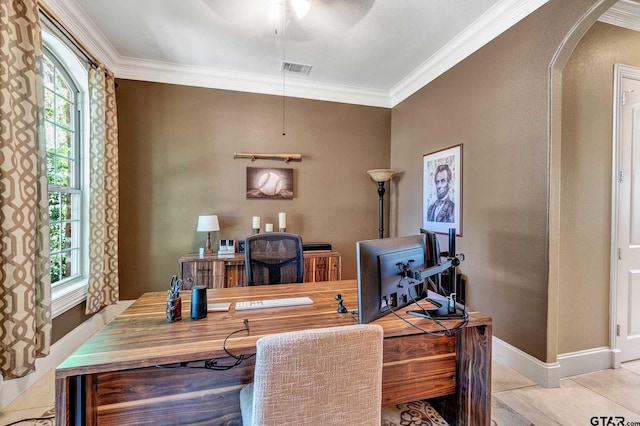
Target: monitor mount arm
<point>450,264</point>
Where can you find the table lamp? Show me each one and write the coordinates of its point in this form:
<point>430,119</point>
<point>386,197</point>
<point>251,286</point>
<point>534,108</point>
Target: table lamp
<point>208,224</point>
<point>381,176</point>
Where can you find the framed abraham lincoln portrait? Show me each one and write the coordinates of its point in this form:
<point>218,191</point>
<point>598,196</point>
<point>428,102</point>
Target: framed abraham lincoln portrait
<point>442,190</point>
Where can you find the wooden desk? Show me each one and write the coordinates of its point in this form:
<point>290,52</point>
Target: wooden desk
<point>123,376</point>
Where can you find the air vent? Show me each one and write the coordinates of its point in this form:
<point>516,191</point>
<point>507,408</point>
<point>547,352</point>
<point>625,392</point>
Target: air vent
<point>293,67</point>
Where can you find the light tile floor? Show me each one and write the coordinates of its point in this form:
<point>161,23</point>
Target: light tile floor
<point>36,402</point>
<point>606,395</point>
<point>516,400</point>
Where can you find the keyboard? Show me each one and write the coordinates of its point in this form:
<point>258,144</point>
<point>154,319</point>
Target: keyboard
<point>273,303</point>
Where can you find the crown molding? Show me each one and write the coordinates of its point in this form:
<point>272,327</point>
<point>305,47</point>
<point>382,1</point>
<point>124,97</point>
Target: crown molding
<point>502,16</point>
<point>84,30</point>
<point>165,72</point>
<point>81,26</point>
<point>625,14</point>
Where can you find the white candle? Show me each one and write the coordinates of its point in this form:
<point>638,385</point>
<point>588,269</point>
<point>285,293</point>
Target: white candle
<point>282,220</point>
<point>268,227</point>
<point>256,222</point>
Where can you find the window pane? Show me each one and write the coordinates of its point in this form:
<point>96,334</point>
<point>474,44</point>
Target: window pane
<point>54,206</point>
<point>65,207</point>
<point>63,171</point>
<point>66,265</point>
<point>49,105</point>
<point>54,237</point>
<point>56,268</point>
<point>70,263</point>
<point>67,236</point>
<point>63,113</point>
<point>61,87</point>
<point>49,134</point>
<point>63,142</point>
<point>47,73</point>
<point>51,168</point>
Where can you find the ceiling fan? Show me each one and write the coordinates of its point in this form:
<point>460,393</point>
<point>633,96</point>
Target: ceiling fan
<point>304,19</point>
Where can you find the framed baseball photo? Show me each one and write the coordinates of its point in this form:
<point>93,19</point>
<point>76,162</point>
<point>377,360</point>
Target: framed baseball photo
<point>273,183</point>
<point>442,190</point>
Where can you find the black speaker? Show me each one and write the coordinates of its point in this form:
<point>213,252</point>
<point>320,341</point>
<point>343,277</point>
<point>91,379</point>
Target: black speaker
<point>198,302</point>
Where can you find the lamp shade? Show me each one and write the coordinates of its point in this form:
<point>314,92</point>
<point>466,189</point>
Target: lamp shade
<point>208,223</point>
<point>381,175</point>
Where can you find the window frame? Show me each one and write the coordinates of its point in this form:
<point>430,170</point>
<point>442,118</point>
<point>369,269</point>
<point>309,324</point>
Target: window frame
<point>72,291</point>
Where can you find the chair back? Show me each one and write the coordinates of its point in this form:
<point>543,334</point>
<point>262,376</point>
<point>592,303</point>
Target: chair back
<point>274,258</point>
<point>327,376</point>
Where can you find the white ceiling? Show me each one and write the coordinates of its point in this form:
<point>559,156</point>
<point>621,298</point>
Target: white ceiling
<point>370,52</point>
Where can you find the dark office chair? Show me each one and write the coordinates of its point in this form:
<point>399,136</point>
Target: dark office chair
<point>274,258</point>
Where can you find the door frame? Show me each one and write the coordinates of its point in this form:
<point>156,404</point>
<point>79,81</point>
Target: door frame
<point>620,71</point>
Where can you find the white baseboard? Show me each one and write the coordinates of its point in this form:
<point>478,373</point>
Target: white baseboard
<point>12,389</point>
<point>548,374</point>
<point>587,361</point>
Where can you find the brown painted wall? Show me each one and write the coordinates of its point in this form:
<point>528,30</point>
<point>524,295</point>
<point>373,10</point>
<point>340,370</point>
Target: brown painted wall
<point>67,321</point>
<point>496,102</point>
<point>176,163</point>
<point>586,183</point>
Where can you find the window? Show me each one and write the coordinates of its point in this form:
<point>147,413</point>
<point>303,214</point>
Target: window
<point>66,138</point>
<point>63,171</point>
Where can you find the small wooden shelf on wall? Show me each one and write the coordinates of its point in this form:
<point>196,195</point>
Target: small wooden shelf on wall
<point>255,156</point>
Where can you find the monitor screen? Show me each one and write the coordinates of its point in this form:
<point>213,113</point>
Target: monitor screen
<point>384,270</point>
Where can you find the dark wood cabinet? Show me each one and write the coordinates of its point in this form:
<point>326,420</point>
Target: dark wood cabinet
<point>319,266</point>
<point>215,271</point>
<point>208,272</point>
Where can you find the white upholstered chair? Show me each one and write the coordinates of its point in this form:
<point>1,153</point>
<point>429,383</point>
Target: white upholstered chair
<point>328,376</point>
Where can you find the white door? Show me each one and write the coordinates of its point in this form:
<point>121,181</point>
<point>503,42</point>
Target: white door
<point>626,220</point>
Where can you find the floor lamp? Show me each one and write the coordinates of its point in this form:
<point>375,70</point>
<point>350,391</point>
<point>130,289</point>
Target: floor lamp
<point>381,176</point>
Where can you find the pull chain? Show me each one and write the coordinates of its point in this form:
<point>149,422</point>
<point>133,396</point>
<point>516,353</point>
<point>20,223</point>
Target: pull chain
<point>284,55</point>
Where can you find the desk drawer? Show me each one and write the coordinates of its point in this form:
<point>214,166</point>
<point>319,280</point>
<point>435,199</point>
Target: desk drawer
<point>168,396</point>
<point>418,367</point>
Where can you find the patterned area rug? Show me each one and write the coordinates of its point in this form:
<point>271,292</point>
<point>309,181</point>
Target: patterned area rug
<point>29,418</point>
<point>421,413</point>
<point>416,413</point>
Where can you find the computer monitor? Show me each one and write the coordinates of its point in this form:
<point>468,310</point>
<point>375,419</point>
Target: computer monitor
<point>432,257</point>
<point>384,271</point>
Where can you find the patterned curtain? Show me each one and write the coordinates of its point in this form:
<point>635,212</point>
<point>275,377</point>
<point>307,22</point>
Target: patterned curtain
<point>25,285</point>
<point>104,200</point>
